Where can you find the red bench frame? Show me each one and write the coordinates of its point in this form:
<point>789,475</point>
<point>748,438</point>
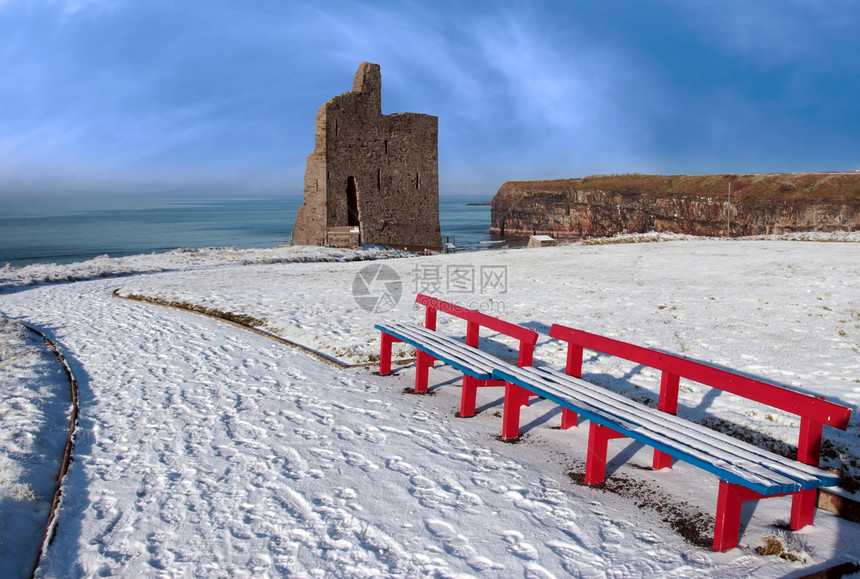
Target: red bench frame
<point>814,412</point>
<point>475,320</point>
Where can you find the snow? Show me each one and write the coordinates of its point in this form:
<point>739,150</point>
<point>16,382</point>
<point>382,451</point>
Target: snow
<point>34,404</point>
<point>206,450</point>
<point>181,259</point>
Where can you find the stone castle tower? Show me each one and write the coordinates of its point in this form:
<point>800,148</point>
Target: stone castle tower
<point>372,178</point>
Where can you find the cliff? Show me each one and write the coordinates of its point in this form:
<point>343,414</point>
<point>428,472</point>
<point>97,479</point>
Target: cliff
<point>698,205</point>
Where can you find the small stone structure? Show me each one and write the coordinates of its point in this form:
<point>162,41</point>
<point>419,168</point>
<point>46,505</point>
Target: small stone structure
<point>372,178</point>
<point>541,241</point>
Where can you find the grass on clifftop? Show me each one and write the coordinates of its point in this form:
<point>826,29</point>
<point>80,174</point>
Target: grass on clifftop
<point>763,189</point>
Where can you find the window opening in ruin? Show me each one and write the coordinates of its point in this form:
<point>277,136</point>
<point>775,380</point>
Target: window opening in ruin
<point>416,180</point>
<point>351,202</point>
<point>386,147</point>
<point>379,180</point>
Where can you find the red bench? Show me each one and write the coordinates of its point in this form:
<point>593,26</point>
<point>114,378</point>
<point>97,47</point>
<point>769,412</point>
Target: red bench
<point>746,472</point>
<point>477,366</point>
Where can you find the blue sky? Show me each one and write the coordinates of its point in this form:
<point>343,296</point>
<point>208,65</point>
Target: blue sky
<point>135,96</point>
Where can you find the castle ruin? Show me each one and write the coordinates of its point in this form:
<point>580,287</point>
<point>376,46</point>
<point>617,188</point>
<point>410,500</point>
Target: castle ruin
<point>372,178</point>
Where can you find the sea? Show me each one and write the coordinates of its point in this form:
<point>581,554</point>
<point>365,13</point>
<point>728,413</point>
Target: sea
<point>77,226</point>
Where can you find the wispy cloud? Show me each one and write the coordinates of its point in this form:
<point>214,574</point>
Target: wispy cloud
<point>171,87</point>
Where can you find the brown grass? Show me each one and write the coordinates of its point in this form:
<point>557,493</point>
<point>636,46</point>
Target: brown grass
<point>775,546</point>
<point>752,190</point>
<point>694,526</point>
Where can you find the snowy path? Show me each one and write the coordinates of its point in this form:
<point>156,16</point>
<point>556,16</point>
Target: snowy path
<point>204,450</point>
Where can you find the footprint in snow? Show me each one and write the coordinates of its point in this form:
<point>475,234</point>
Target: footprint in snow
<point>397,464</point>
<point>535,571</point>
<point>306,434</point>
<point>457,545</point>
<point>611,535</point>
<point>519,547</point>
<point>357,459</point>
<point>344,433</point>
<point>430,495</point>
<point>325,457</point>
<point>346,493</point>
<point>490,484</point>
<point>420,415</point>
<point>371,434</point>
<point>105,507</point>
<point>575,560</point>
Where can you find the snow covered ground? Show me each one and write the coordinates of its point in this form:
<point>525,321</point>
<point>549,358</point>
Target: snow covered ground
<point>180,259</point>
<point>34,405</point>
<point>206,450</point>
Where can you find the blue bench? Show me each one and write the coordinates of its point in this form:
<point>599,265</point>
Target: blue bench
<point>475,365</point>
<point>746,472</point>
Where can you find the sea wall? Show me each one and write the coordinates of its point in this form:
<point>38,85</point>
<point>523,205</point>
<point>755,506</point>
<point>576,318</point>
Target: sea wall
<point>696,205</point>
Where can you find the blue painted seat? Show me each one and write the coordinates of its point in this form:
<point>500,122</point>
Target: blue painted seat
<point>746,472</point>
<point>464,355</point>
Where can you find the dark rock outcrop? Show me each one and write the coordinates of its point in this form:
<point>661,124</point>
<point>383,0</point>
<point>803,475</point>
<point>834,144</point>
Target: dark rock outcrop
<point>696,205</point>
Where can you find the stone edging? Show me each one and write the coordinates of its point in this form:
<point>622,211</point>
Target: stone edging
<point>51,527</point>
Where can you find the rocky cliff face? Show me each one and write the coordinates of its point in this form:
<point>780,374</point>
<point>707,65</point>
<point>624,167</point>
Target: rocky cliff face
<point>696,205</point>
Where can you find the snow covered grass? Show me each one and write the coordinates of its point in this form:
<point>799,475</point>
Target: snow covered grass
<point>207,450</point>
<point>34,408</point>
<point>181,259</point>
<point>784,546</point>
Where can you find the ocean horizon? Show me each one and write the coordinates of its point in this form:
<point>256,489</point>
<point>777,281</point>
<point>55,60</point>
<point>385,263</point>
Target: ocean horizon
<point>67,228</point>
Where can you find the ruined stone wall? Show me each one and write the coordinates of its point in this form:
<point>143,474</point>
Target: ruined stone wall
<point>377,171</point>
<point>310,224</point>
<point>579,208</point>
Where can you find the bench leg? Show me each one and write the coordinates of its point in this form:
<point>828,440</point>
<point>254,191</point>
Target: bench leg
<point>569,418</point>
<point>422,370</point>
<point>803,505</point>
<point>728,526</point>
<point>511,412</point>
<point>661,460</point>
<point>598,444</point>
<point>385,354</point>
<point>730,501</point>
<point>468,396</point>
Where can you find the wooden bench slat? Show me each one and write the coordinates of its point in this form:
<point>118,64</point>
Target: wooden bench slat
<point>759,479</point>
<point>430,339</point>
<point>728,471</point>
<point>804,473</point>
<point>729,467</point>
<point>469,360</point>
